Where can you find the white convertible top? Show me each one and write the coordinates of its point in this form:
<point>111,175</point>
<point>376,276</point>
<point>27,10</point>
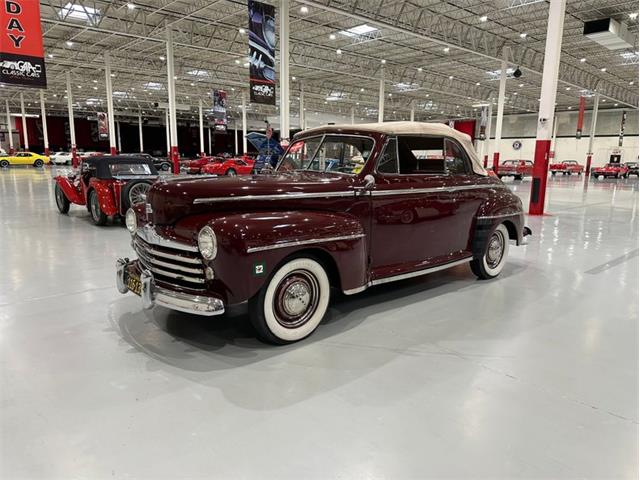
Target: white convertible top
<point>411,128</point>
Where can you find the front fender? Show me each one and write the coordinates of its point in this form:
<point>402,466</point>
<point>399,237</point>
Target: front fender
<point>502,207</point>
<point>252,245</point>
<point>73,194</point>
<point>105,196</point>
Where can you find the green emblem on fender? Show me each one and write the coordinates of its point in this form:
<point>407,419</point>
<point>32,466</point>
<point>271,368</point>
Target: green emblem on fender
<point>258,269</point>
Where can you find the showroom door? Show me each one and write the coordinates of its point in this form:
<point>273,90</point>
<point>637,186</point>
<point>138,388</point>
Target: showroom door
<point>413,210</point>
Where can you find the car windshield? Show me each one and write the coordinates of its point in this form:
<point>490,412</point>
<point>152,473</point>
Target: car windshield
<point>343,154</point>
<point>120,169</point>
<point>570,162</point>
<point>613,165</point>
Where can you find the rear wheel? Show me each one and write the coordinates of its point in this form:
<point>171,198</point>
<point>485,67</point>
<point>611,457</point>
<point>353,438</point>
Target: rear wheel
<point>62,201</point>
<point>4,163</point>
<point>38,163</point>
<point>495,254</point>
<point>292,303</point>
<point>97,215</point>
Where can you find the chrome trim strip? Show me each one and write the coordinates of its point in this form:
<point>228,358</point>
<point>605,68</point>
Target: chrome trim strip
<point>304,242</point>
<point>173,266</point>
<point>405,276</point>
<point>159,271</point>
<point>280,196</point>
<point>503,215</point>
<point>149,235</point>
<point>379,193</point>
<point>169,256</point>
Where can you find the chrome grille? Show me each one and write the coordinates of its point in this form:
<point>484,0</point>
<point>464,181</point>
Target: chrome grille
<point>173,266</point>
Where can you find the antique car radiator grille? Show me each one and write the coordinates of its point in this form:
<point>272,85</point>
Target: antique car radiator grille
<point>169,265</point>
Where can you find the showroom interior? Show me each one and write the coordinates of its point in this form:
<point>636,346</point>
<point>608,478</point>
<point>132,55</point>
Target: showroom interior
<point>319,239</point>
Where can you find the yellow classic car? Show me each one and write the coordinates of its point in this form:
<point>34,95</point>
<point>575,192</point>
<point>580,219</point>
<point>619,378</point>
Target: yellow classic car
<point>23,158</point>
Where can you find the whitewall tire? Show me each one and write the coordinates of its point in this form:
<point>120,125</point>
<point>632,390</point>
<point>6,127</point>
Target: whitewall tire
<point>292,303</point>
<point>495,254</point>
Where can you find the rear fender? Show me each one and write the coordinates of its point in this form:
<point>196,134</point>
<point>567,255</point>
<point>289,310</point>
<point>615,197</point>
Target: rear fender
<point>73,193</point>
<point>252,245</point>
<point>105,196</point>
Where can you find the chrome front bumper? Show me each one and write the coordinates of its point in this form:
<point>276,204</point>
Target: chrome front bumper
<point>152,294</point>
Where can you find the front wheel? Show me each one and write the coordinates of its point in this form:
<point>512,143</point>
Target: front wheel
<point>553,173</point>
<point>4,164</point>
<point>97,215</point>
<point>62,202</point>
<point>292,303</point>
<point>38,163</point>
<point>495,255</point>
<point>231,173</point>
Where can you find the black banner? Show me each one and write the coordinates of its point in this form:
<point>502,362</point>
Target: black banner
<point>622,123</point>
<point>262,58</point>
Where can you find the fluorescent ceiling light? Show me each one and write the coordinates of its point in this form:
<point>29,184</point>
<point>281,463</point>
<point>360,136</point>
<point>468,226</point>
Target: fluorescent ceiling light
<point>335,96</point>
<point>79,12</point>
<point>358,31</point>
<point>406,87</point>
<point>119,94</point>
<point>495,74</point>
<point>198,73</point>
<point>153,86</point>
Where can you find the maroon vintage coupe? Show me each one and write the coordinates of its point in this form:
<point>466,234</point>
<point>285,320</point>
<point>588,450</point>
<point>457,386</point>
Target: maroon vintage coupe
<point>347,207</point>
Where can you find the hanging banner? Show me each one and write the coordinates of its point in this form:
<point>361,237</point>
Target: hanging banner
<point>262,58</point>
<point>580,118</point>
<point>484,118</point>
<point>21,53</point>
<point>622,122</point>
<point>220,110</point>
<point>103,126</point>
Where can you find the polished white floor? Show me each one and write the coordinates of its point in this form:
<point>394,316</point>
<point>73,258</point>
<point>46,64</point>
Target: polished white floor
<point>534,374</point>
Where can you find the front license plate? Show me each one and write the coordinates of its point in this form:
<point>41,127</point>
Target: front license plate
<point>134,284</point>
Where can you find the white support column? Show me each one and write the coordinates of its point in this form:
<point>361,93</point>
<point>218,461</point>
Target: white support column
<point>201,127</point>
<point>592,133</point>
<point>209,136</point>
<point>140,131</point>
<point>171,83</point>
<point>353,115</point>
<point>412,117</point>
<point>555,27</point>
<point>9,129</point>
<point>381,96</point>
<point>119,139</point>
<point>25,134</point>
<point>72,125</point>
<point>244,123</point>
<point>167,129</point>
<point>489,125</point>
<point>43,116</point>
<point>302,112</point>
<point>284,70</point>
<point>110,113</point>
<point>553,137</point>
<point>501,94</point>
<point>235,137</point>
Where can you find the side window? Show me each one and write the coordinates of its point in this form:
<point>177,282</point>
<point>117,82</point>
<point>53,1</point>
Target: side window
<point>388,162</point>
<point>421,155</point>
<point>456,160</point>
<point>345,154</point>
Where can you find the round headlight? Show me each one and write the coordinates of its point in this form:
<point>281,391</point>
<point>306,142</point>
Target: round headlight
<point>207,243</point>
<point>131,220</point>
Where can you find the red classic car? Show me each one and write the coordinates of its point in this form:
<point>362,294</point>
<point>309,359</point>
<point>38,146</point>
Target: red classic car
<point>615,170</point>
<point>353,206</point>
<point>195,166</point>
<point>515,168</point>
<point>566,167</point>
<point>230,167</point>
<point>108,186</point>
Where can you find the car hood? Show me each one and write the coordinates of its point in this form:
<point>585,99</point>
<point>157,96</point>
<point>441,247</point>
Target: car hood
<point>172,199</point>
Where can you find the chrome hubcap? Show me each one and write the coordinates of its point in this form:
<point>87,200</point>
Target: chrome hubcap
<point>95,208</point>
<point>138,193</point>
<point>495,249</point>
<point>296,299</point>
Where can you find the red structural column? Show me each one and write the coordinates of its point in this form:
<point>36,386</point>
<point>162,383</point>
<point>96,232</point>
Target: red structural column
<point>548,90</point>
